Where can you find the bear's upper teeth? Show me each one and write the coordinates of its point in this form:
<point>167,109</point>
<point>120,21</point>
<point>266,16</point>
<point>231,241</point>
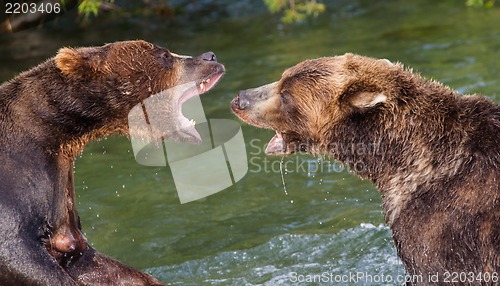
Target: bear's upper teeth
<point>202,85</point>
<point>192,122</point>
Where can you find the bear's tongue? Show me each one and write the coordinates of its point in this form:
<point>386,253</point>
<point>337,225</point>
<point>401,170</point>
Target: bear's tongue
<point>276,145</point>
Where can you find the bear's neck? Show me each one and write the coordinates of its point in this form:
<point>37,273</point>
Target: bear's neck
<point>60,114</point>
<point>400,148</point>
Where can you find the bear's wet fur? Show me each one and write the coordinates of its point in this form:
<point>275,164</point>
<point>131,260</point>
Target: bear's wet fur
<point>47,115</point>
<point>433,154</point>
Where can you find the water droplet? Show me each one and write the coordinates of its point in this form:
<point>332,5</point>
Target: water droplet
<point>283,177</point>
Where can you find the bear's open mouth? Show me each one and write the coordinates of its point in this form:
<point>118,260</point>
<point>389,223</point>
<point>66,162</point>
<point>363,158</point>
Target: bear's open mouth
<point>185,125</point>
<point>277,145</point>
<point>281,144</point>
<point>284,143</point>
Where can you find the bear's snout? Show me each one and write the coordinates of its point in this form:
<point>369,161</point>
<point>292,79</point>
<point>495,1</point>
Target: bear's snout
<point>241,101</point>
<point>248,97</point>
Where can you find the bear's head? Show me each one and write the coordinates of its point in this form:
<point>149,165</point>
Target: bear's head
<point>314,97</point>
<point>107,82</point>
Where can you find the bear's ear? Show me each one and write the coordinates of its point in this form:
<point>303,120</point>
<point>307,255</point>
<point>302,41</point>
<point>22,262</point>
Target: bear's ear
<point>76,62</point>
<point>365,99</point>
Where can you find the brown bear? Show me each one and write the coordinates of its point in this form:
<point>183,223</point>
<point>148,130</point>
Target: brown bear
<point>433,154</point>
<point>47,115</point>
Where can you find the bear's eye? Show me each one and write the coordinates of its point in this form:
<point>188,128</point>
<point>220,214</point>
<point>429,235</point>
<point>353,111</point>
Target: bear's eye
<point>167,59</point>
<point>166,55</point>
<point>284,97</point>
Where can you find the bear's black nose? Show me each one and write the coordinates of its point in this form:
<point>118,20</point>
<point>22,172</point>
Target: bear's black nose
<point>242,100</point>
<point>208,56</point>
